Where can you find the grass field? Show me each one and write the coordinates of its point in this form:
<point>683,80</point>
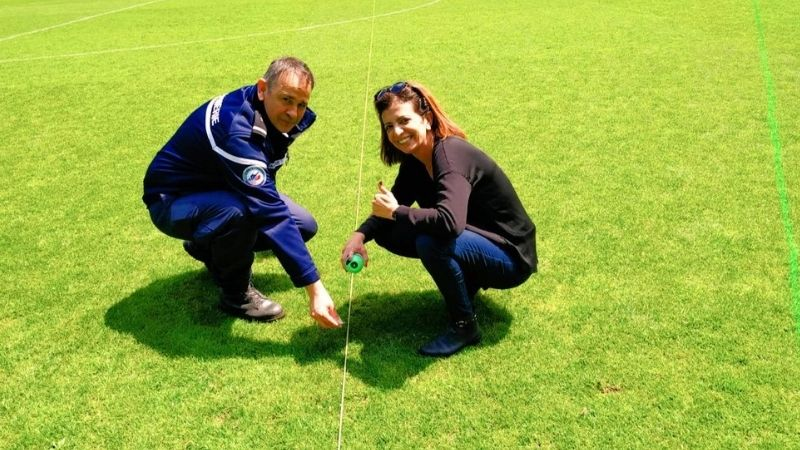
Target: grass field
<point>654,143</point>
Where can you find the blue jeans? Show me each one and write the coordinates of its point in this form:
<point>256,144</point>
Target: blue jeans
<point>458,266</point>
<point>218,223</point>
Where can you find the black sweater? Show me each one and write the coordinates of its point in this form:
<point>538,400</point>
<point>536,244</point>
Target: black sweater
<point>468,191</point>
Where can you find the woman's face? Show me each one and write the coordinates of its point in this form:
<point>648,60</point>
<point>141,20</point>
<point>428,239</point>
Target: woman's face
<point>408,131</point>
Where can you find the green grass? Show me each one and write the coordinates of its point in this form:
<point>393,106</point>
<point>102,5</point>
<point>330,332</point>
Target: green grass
<point>636,132</point>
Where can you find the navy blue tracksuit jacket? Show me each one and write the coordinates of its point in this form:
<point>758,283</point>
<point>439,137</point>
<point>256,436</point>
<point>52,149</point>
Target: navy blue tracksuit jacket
<point>228,143</point>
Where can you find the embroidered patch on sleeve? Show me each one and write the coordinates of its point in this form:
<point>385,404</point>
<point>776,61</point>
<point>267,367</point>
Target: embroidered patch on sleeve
<point>254,176</point>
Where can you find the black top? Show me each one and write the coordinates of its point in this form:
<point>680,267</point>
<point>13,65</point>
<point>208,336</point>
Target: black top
<point>468,191</point>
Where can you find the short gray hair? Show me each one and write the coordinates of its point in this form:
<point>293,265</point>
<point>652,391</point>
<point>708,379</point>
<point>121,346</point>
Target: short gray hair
<point>286,64</point>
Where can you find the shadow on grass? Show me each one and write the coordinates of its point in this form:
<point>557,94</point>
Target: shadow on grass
<point>178,317</point>
<point>387,329</point>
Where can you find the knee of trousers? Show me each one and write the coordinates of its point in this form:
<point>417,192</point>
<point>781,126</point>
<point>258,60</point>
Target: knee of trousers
<point>398,241</point>
<point>226,220</point>
<point>429,247</point>
<point>308,229</point>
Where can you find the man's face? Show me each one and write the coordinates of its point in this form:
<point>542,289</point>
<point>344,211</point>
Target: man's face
<point>286,101</point>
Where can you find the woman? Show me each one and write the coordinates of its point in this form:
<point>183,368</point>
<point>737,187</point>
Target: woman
<point>470,229</point>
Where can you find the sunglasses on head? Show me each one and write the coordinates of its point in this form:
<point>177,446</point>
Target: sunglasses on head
<point>394,89</point>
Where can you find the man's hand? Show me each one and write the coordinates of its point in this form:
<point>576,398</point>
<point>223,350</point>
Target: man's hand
<point>321,307</point>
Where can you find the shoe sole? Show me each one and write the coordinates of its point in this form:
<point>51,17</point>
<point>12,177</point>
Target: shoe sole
<point>240,314</point>
<point>475,341</point>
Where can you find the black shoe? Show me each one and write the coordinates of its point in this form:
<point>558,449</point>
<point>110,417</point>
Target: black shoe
<point>459,335</point>
<point>251,305</point>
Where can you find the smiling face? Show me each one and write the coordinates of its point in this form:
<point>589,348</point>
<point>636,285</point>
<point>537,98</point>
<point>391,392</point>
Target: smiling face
<point>407,130</point>
<point>286,101</point>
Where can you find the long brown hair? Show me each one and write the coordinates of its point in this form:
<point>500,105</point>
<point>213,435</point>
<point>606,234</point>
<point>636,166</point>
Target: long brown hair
<point>424,102</point>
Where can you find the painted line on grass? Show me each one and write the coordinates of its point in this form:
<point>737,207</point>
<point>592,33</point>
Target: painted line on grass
<point>215,40</point>
<point>82,19</point>
<point>780,178</point>
<point>355,221</point>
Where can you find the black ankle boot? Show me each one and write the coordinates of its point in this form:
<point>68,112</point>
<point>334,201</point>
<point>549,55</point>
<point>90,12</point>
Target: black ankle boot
<point>457,336</point>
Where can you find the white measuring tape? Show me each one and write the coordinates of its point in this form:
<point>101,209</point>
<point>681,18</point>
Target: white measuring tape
<point>355,220</point>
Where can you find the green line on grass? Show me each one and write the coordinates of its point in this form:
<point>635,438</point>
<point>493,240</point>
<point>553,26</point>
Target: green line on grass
<point>780,179</point>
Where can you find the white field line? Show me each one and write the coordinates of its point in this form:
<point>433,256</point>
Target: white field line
<point>221,39</point>
<point>355,224</point>
<point>82,19</point>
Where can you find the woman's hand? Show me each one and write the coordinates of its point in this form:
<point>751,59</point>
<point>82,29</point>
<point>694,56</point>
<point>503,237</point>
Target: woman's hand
<point>355,245</point>
<point>384,203</point>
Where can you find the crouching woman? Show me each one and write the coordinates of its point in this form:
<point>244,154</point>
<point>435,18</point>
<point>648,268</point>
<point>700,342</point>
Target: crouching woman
<point>469,229</point>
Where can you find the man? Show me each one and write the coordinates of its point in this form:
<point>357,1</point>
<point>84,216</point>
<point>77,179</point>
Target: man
<point>213,185</point>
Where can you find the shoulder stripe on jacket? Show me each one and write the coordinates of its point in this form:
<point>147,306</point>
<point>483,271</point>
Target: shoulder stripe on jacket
<point>212,114</point>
